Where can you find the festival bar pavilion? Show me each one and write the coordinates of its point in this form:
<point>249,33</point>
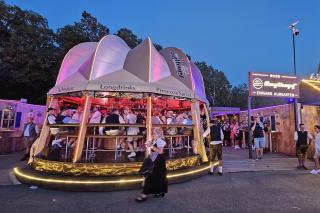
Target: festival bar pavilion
<point>113,76</point>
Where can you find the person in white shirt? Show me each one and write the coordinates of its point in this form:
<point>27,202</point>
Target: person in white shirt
<point>78,115</point>
<point>131,118</point>
<point>156,119</point>
<point>316,156</point>
<point>52,115</point>
<point>216,135</point>
<point>171,120</point>
<point>95,117</point>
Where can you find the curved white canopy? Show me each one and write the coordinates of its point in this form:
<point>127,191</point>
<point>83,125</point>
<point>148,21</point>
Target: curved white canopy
<point>110,65</point>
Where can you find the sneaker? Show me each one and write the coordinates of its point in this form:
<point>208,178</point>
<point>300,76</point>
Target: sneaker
<point>210,173</point>
<point>132,155</point>
<point>220,173</point>
<point>314,172</point>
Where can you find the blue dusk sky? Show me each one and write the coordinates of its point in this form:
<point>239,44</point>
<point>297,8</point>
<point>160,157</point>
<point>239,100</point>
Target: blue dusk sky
<point>232,36</point>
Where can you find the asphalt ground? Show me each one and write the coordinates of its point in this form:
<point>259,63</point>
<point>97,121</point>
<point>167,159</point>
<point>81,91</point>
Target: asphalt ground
<point>267,191</point>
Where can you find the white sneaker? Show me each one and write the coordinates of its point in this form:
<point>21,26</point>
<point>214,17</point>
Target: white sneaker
<point>314,171</point>
<point>131,155</point>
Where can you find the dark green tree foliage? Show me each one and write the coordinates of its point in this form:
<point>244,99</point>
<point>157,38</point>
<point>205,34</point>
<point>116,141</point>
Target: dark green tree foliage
<point>127,35</point>
<point>239,96</point>
<point>88,29</point>
<point>31,55</point>
<point>27,54</point>
<point>216,84</point>
<point>157,46</point>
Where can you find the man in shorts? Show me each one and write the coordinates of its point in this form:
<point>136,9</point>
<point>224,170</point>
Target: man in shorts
<point>317,150</point>
<point>258,137</point>
<point>216,135</point>
<point>301,139</point>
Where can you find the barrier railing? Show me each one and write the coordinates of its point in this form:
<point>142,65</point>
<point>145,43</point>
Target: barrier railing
<point>63,132</point>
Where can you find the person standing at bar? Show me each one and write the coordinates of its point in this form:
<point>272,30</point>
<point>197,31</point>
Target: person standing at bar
<point>216,134</point>
<point>95,118</point>
<point>301,139</point>
<point>258,137</point>
<point>30,133</point>
<point>52,115</point>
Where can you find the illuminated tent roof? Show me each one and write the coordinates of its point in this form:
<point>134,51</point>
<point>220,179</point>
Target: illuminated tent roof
<point>310,92</point>
<point>110,65</point>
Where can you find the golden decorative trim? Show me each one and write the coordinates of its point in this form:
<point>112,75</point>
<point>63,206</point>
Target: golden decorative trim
<point>106,169</point>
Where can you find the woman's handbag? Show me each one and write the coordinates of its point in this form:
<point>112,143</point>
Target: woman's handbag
<point>147,167</point>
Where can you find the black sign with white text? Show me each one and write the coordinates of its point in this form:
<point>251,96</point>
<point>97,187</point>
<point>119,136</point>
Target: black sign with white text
<point>273,85</point>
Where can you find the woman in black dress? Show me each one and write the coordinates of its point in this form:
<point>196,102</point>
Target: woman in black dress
<point>156,183</point>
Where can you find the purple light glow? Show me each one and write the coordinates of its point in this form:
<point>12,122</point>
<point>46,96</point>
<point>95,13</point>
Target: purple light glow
<point>266,107</point>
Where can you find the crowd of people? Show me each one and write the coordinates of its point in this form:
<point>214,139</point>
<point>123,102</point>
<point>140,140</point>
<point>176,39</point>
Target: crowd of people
<point>130,116</point>
<point>233,133</point>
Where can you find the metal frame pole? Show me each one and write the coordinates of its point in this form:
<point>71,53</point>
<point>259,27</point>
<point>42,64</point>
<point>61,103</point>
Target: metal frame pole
<point>249,127</point>
<point>295,73</point>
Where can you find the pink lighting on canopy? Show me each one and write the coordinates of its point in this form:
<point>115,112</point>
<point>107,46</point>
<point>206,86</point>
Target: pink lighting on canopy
<point>111,65</point>
<point>159,67</point>
<point>110,56</point>
<point>74,60</point>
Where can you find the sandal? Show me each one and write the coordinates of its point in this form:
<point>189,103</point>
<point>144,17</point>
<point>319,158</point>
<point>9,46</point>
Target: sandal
<point>160,195</point>
<point>141,198</point>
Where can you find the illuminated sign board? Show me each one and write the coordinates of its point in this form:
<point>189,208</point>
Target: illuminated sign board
<point>273,85</point>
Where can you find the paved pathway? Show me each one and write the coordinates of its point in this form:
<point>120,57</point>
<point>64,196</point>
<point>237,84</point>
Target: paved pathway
<point>256,192</point>
<point>7,163</point>
<point>238,161</point>
<point>234,161</point>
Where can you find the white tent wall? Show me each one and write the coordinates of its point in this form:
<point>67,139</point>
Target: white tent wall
<point>109,57</point>
<point>74,60</point>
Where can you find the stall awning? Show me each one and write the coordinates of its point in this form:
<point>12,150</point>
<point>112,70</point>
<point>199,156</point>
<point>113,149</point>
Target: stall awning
<point>310,92</point>
<point>110,65</point>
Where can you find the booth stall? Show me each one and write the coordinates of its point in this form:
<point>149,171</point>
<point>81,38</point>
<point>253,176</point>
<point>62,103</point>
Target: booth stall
<point>109,77</point>
<point>13,115</point>
<point>279,121</point>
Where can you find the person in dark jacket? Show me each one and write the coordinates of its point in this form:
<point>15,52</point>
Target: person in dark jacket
<point>216,136</point>
<point>302,139</point>
<point>258,137</point>
<point>29,135</point>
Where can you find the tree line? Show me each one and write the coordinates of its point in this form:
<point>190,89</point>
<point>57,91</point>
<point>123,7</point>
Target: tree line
<point>31,54</point>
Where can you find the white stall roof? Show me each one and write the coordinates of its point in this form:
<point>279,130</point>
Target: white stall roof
<point>110,65</point>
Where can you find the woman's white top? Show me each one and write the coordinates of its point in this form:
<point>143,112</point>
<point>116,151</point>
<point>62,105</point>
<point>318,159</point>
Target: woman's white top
<point>317,141</point>
<point>95,117</point>
<point>160,144</point>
